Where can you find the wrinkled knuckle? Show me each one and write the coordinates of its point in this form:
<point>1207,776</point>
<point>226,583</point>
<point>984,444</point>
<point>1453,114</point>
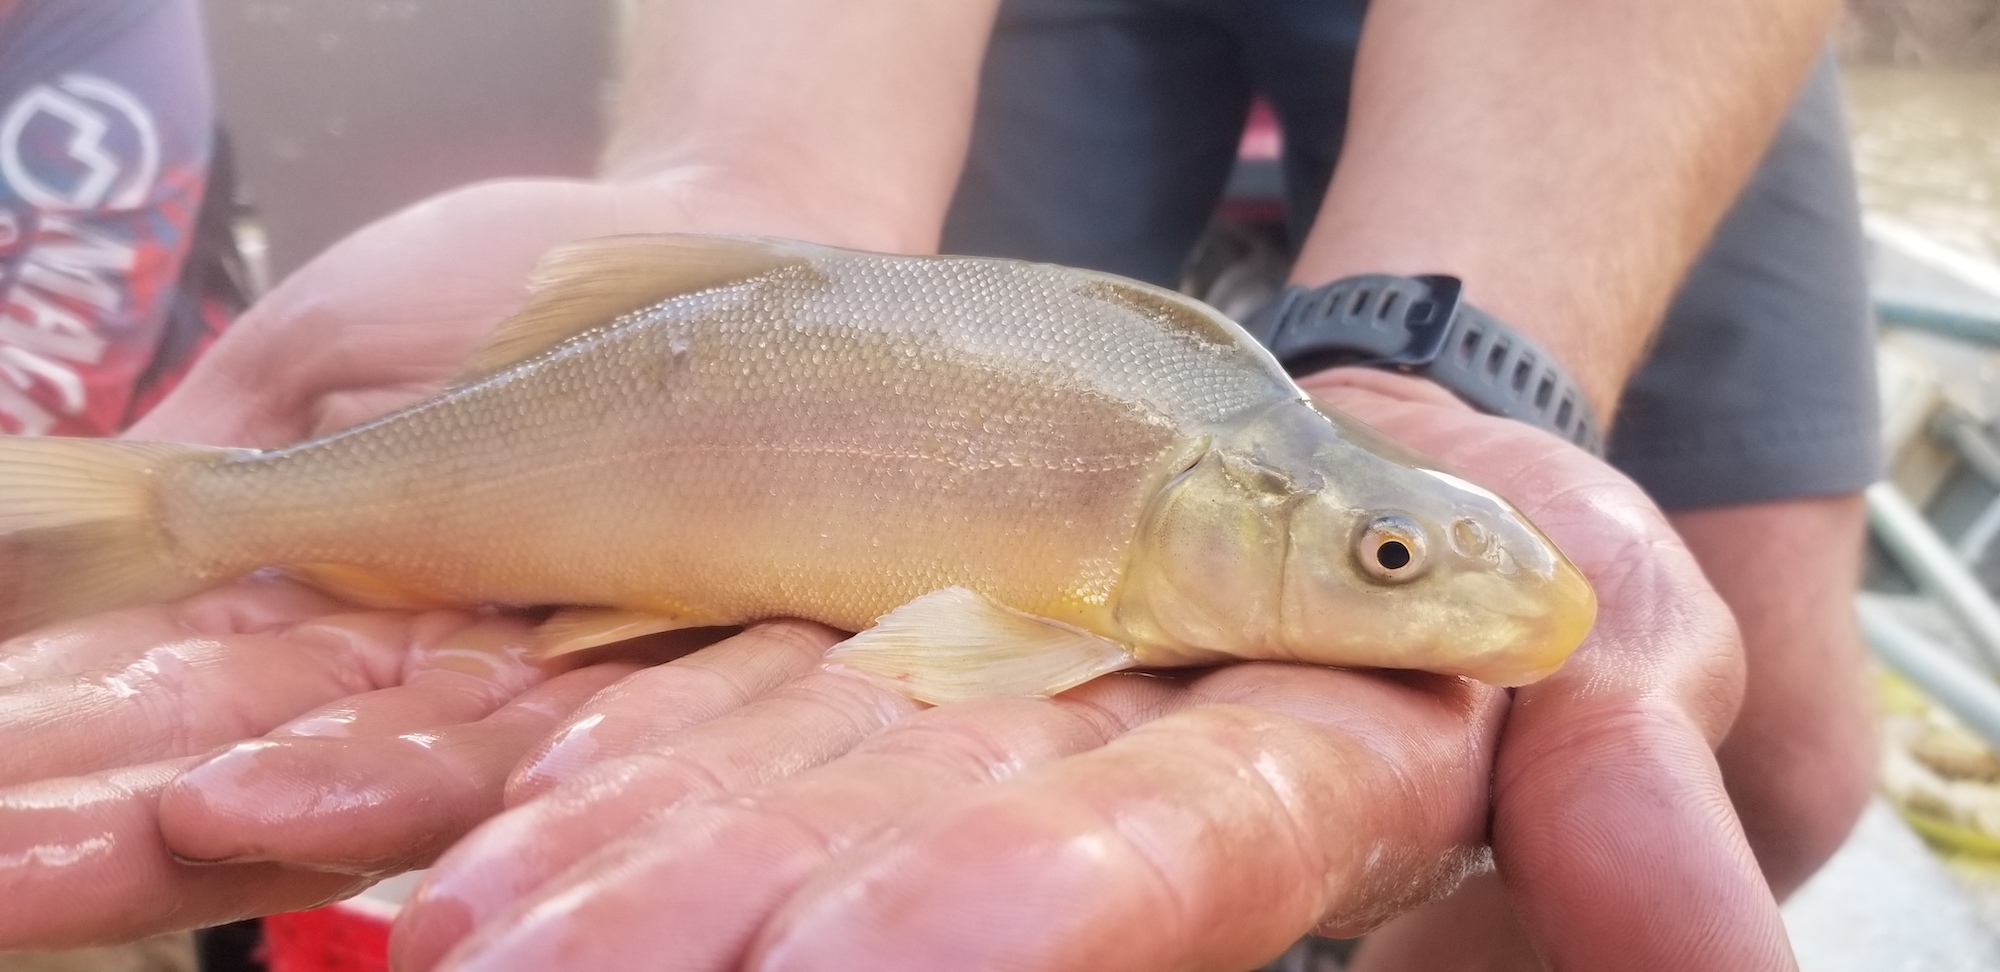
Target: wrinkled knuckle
<point>1636,728</point>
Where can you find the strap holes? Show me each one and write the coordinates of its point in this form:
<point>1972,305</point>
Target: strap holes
<point>1389,301</point>
<point>1524,369</point>
<point>1469,347</point>
<point>1544,392</point>
<point>1496,357</point>
<point>1360,304</point>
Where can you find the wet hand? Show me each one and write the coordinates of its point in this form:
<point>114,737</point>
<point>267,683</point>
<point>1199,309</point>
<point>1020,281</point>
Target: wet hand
<point>401,726</point>
<point>741,807</point>
<point>799,819</point>
<point>398,727</point>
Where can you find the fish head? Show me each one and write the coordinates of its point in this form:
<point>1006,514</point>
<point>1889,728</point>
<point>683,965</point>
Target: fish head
<point>1307,536</point>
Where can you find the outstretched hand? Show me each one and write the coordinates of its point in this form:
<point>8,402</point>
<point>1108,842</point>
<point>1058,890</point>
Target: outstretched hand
<point>740,806</point>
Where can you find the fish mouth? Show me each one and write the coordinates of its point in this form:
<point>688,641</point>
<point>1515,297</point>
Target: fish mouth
<point>1554,617</point>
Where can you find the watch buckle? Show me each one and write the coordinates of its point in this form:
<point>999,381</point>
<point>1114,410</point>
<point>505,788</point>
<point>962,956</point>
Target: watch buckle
<point>1427,321</point>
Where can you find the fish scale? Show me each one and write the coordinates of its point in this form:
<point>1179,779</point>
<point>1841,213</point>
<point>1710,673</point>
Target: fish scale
<point>753,477</point>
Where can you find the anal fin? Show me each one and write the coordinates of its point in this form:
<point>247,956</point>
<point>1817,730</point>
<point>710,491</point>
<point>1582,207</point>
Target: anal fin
<point>954,645</point>
<point>577,628</point>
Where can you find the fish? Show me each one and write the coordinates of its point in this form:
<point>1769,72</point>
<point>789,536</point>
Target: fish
<point>1008,478</point>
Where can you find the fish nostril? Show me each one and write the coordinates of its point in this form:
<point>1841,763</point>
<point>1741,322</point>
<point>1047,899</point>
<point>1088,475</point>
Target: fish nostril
<point>1470,538</point>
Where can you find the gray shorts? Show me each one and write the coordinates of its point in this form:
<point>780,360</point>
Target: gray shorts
<point>1107,129</point>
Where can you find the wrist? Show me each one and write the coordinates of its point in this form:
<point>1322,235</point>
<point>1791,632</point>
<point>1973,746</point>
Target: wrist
<point>1559,317</point>
<point>1420,325</point>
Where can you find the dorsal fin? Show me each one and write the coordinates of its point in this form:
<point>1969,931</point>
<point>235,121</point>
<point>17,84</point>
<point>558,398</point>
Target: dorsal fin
<point>581,285</point>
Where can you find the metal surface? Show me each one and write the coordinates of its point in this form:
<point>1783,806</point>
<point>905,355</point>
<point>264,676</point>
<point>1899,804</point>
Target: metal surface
<point>1964,325</point>
<point>1954,684</point>
<point>1935,567</point>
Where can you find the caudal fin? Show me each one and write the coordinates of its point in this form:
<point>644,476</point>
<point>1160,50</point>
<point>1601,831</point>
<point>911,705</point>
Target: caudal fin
<point>80,530</point>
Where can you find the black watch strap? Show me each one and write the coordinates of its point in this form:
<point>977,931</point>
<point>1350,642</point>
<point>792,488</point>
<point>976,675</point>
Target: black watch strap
<point>1419,325</point>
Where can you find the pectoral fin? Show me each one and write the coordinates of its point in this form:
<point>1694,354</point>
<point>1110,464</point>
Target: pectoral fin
<point>574,629</point>
<point>954,645</point>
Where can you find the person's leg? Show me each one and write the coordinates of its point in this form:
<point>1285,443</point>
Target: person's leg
<point>1770,334</point>
<point>1800,761</point>
<point>1104,133</point>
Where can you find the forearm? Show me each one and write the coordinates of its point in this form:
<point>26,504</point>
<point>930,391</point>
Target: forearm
<point>846,115</point>
<point>1569,160</point>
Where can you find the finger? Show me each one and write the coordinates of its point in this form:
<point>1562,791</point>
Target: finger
<point>1210,838</point>
<point>364,804</point>
<point>191,691</point>
<point>1603,814</point>
<point>804,724</point>
<point>652,705</point>
<point>691,888</point>
<point>82,863</point>
<point>87,644</point>
<point>457,677</point>
<point>710,871</point>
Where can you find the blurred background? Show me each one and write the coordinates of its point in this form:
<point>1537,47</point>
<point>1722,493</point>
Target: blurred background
<point>338,112</point>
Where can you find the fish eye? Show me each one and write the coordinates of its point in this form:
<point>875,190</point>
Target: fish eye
<point>1391,549</point>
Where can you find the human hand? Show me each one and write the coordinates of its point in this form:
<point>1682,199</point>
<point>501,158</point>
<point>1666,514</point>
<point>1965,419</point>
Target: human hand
<point>103,715</point>
<point>803,820</point>
<point>399,720</point>
<point>1616,843</point>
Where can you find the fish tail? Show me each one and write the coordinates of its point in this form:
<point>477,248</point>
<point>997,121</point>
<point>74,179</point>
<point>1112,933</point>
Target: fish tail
<point>80,529</point>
